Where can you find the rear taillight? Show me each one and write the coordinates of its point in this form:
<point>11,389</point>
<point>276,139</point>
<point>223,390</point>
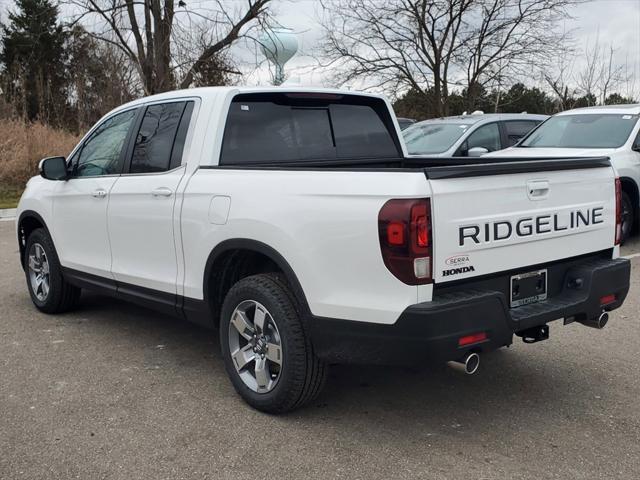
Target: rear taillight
<point>404,227</point>
<point>618,211</point>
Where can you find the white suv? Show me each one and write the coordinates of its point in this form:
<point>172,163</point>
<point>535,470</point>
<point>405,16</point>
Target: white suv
<point>612,131</point>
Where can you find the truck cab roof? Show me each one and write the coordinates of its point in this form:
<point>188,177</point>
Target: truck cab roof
<point>212,92</point>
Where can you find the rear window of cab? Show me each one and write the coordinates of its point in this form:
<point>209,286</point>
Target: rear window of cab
<point>285,128</point>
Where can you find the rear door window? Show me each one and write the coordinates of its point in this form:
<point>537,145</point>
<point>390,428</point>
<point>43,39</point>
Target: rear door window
<point>486,136</point>
<point>158,145</point>
<point>516,129</point>
<point>276,128</point>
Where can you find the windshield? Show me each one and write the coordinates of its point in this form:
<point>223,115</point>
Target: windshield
<point>432,137</point>
<point>583,131</point>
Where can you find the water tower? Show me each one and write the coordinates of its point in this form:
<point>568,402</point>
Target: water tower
<point>279,45</point>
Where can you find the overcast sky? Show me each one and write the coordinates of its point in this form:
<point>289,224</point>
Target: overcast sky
<point>618,23</point>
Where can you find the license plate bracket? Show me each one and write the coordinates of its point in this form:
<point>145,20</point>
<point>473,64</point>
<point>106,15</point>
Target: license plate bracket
<point>527,288</point>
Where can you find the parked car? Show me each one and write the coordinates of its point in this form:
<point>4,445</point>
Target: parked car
<point>612,131</point>
<point>469,135</point>
<point>405,122</point>
<point>292,221</point>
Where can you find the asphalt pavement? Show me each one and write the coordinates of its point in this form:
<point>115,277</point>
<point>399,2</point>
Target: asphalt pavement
<point>113,391</point>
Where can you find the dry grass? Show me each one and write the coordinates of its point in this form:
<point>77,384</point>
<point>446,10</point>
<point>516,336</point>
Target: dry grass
<point>9,197</point>
<point>23,145</point>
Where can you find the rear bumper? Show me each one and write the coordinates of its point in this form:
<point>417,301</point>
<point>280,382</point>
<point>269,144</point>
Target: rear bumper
<point>431,330</point>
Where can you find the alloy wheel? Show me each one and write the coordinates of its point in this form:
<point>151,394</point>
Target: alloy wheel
<point>255,346</point>
<point>39,272</point>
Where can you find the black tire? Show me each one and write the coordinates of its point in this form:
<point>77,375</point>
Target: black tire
<point>61,296</point>
<point>303,375</point>
<point>628,216</point>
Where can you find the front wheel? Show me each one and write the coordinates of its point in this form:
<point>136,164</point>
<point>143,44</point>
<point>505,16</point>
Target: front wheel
<point>267,355</point>
<point>628,216</point>
<point>49,291</point>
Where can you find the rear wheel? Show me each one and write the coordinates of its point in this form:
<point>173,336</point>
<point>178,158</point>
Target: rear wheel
<point>628,216</point>
<point>49,291</point>
<point>267,355</point>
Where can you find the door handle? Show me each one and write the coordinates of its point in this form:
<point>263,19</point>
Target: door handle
<point>99,193</point>
<point>537,189</point>
<point>162,192</point>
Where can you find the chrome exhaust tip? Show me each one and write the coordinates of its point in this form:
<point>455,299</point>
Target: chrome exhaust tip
<point>603,319</point>
<point>468,364</point>
<point>598,323</point>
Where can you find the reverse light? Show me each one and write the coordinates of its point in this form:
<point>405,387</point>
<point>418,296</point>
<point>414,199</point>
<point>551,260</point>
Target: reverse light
<point>404,227</point>
<point>422,267</point>
<point>471,339</point>
<point>618,211</point>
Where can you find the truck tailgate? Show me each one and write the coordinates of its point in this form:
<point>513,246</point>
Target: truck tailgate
<point>491,222</point>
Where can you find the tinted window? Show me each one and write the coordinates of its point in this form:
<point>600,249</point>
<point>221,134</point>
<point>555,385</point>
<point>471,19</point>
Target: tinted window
<point>286,130</point>
<point>155,139</point>
<point>100,153</point>
<point>583,131</point>
<point>518,129</point>
<point>426,138</point>
<point>359,132</point>
<point>312,133</point>
<point>486,136</point>
<point>181,136</point>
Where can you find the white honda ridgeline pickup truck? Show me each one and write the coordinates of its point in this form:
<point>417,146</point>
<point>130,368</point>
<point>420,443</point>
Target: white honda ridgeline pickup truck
<point>293,221</point>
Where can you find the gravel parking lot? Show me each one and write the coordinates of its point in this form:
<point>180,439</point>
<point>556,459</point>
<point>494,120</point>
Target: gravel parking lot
<point>114,391</point>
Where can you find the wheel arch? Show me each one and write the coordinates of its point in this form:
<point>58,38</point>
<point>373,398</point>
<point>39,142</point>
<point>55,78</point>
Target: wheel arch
<point>630,186</point>
<point>28,221</point>
<point>213,294</point>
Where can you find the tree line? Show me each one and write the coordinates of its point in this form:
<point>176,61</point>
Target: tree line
<point>432,57</point>
<point>444,57</point>
<point>516,99</point>
<point>62,73</point>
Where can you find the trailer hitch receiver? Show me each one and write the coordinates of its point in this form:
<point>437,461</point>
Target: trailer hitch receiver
<point>534,334</point>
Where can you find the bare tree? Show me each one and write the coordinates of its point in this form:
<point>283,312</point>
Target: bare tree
<point>601,73</point>
<point>433,45</point>
<point>146,30</point>
<point>559,77</point>
<point>590,75</point>
<point>101,78</point>
<point>507,39</point>
<point>629,76</point>
<point>396,44</point>
<point>611,75</point>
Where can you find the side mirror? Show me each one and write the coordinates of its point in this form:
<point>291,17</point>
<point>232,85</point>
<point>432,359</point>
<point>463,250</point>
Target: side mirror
<point>477,151</point>
<point>53,168</point>
<point>636,147</point>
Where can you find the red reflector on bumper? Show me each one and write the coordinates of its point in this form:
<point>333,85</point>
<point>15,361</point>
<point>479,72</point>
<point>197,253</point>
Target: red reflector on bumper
<point>607,299</point>
<point>471,339</point>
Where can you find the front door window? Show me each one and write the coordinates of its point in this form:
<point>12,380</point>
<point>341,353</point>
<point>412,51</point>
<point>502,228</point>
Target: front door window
<point>101,152</point>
